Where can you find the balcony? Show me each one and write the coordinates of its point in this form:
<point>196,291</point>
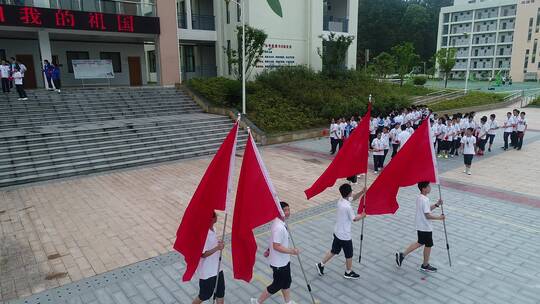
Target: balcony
<point>137,8</point>
<point>335,24</point>
<point>203,22</point>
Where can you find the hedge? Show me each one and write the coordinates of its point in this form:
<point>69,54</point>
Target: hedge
<point>470,100</point>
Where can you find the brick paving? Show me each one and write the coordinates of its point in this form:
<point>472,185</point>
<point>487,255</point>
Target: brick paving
<point>80,231</point>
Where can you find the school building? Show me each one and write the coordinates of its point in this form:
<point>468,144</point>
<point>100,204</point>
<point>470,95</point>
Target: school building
<point>166,42</point>
<point>493,36</point>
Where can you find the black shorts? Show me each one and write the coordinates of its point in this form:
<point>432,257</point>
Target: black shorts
<point>347,247</point>
<point>467,159</point>
<point>425,238</point>
<point>281,279</point>
<point>491,138</point>
<point>206,288</point>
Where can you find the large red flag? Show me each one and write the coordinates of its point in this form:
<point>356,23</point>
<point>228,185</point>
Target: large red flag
<point>256,204</point>
<point>213,193</point>
<point>414,163</point>
<point>350,160</point>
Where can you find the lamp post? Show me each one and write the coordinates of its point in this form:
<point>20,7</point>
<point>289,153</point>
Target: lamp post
<point>467,71</point>
<point>243,52</point>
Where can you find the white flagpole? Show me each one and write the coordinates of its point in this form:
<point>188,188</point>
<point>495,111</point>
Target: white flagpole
<point>364,197</point>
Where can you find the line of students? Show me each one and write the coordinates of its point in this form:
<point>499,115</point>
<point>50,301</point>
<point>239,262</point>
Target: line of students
<point>15,73</point>
<point>514,127</point>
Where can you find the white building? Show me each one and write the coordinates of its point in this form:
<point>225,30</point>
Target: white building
<point>207,28</point>
<point>482,31</point>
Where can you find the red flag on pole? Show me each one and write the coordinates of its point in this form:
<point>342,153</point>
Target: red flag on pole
<point>256,204</point>
<point>213,193</point>
<point>414,163</point>
<point>349,161</point>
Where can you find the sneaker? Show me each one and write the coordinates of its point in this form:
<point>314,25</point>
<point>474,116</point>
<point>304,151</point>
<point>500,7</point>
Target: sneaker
<point>469,172</point>
<point>320,269</point>
<point>451,155</point>
<point>489,149</point>
<point>375,172</point>
<point>399,258</point>
<point>351,275</point>
<point>19,98</point>
<point>446,156</point>
<point>254,301</point>
<point>464,170</point>
<point>428,268</point>
<point>26,98</point>
<point>58,91</point>
<point>439,156</point>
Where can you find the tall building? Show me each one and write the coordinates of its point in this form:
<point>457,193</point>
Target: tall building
<point>525,60</point>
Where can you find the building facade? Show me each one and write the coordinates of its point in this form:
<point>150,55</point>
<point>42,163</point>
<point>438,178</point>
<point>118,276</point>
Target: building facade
<point>496,37</point>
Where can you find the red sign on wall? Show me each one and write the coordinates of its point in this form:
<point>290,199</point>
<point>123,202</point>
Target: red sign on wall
<point>11,15</point>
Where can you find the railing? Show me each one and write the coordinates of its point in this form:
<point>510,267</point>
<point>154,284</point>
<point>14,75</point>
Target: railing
<point>142,8</point>
<point>335,24</point>
<point>203,22</point>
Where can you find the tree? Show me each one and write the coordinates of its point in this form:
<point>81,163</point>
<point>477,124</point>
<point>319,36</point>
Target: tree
<point>255,40</point>
<point>334,53</point>
<point>405,59</point>
<point>384,64</point>
<point>414,26</point>
<point>446,59</point>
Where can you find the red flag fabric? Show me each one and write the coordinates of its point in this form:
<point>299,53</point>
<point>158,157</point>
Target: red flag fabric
<point>212,194</point>
<point>351,159</point>
<point>414,163</point>
<point>256,204</point>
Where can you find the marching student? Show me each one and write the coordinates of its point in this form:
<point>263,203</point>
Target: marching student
<point>423,227</point>
<point>410,129</point>
<point>521,128</point>
<point>493,126</point>
<point>513,137</point>
<point>434,131</point>
<point>468,146</point>
<point>333,136</point>
<point>5,71</point>
<point>341,133</point>
<point>394,138</point>
<point>378,146</point>
<point>441,142</point>
<point>449,139</point>
<point>457,134</point>
<point>385,137</point>
<point>403,136</point>
<point>279,256</point>
<point>482,135</point>
<point>208,268</point>
<point>342,232</point>
<point>372,128</point>
<point>18,79</point>
<point>508,127</point>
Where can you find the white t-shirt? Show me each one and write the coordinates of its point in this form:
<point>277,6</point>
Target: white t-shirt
<point>521,124</point>
<point>4,71</point>
<point>394,134</point>
<point>280,235</point>
<point>17,76</point>
<point>373,126</point>
<point>468,144</point>
<point>378,144</point>
<point>403,137</point>
<point>442,131</point>
<point>508,124</point>
<point>398,119</point>
<point>457,131</point>
<point>344,218</point>
<point>484,129</point>
<point>433,133</point>
<point>354,124</point>
<point>208,266</point>
<point>333,131</point>
<point>492,127</point>
<point>386,140</point>
<point>342,127</point>
<point>423,207</point>
<point>515,120</point>
<point>464,124</point>
<point>449,133</point>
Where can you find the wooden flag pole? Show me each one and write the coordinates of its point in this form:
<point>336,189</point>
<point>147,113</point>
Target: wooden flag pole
<point>444,226</point>
<point>364,207</point>
<point>302,268</point>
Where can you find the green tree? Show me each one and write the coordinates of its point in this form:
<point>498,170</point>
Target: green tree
<point>414,26</point>
<point>334,53</point>
<point>405,59</point>
<point>255,40</point>
<point>446,59</point>
<point>384,64</point>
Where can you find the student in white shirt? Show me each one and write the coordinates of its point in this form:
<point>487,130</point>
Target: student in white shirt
<point>333,136</point>
<point>513,137</point>
<point>18,79</point>
<point>508,127</point>
<point>482,135</point>
<point>468,146</point>
<point>342,232</point>
<point>441,143</point>
<point>493,126</point>
<point>457,135</point>
<point>521,128</point>
<point>5,70</point>
<point>279,256</point>
<point>403,136</point>
<point>394,138</point>
<point>207,271</point>
<point>449,139</point>
<point>378,147</point>
<point>423,228</point>
<point>372,128</point>
<point>385,137</point>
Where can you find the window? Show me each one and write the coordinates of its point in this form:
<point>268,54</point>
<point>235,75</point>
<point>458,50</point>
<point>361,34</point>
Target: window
<point>2,54</point>
<point>55,61</point>
<point>189,58</point>
<point>229,67</point>
<point>538,21</point>
<point>74,56</point>
<point>238,11</point>
<point>152,61</point>
<point>115,58</point>
<point>535,48</point>
<point>228,13</point>
<point>504,25</point>
<point>503,38</point>
<point>526,64</point>
<point>501,52</point>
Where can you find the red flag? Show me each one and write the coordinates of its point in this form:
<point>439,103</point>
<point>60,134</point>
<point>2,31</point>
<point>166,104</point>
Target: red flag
<point>256,204</point>
<point>352,158</point>
<point>213,193</point>
<point>414,163</point>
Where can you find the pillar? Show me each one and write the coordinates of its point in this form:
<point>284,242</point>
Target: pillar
<point>45,51</point>
<point>167,44</point>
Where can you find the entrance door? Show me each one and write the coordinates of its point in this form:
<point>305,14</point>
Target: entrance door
<point>30,74</point>
<point>135,73</point>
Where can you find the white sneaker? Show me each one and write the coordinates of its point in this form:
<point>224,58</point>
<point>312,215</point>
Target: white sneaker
<point>254,301</point>
<point>19,99</point>
<point>464,170</point>
<point>469,172</point>
<point>26,98</point>
<point>375,172</point>
<point>58,91</point>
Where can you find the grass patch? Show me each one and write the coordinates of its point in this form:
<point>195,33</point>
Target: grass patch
<point>297,98</point>
<point>470,100</point>
<point>535,102</point>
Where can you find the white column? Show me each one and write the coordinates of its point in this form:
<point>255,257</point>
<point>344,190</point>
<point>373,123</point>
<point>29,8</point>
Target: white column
<point>45,51</point>
<point>189,24</point>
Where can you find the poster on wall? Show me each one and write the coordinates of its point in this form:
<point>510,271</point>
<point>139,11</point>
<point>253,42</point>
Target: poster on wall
<point>277,54</point>
<point>93,69</point>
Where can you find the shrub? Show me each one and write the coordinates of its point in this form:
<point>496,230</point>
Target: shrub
<point>419,80</point>
<point>470,100</point>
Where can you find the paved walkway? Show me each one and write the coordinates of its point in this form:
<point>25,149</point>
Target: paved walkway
<point>88,235</point>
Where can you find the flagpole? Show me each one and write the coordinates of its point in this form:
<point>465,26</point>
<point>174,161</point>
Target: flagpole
<point>444,226</point>
<point>301,267</point>
<point>364,197</point>
<point>223,236</point>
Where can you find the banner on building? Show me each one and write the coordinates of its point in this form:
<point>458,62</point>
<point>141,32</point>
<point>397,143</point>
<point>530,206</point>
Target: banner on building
<point>93,69</point>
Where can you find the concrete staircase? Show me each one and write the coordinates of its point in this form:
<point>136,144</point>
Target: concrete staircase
<point>83,131</point>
